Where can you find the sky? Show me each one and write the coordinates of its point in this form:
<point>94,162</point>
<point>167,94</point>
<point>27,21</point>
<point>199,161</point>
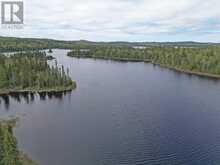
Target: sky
<point>120,20</point>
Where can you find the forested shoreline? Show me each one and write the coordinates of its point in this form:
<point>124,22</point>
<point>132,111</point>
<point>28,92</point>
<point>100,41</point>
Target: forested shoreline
<point>27,72</point>
<point>200,61</point>
<point>30,72</point>
<point>9,153</point>
<point>190,57</point>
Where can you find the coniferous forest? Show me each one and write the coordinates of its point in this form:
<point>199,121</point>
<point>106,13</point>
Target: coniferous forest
<point>30,72</point>
<point>9,153</point>
<point>198,60</point>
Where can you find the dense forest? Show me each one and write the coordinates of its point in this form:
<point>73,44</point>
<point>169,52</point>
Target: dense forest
<point>29,71</point>
<point>203,60</point>
<point>195,60</point>
<point>113,53</point>
<point>9,153</point>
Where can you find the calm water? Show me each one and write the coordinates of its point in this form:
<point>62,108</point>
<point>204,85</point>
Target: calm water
<point>121,114</point>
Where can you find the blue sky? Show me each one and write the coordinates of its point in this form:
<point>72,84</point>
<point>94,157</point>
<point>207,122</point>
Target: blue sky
<point>121,20</point>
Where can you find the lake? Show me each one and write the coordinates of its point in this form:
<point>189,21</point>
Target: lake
<point>121,114</point>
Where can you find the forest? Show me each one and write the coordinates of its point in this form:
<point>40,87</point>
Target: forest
<point>203,60</point>
<point>29,71</point>
<point>9,153</point>
<point>19,44</point>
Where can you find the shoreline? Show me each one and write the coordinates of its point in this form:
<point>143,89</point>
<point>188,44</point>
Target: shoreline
<point>111,59</point>
<point>200,74</point>
<point>10,153</point>
<point>49,90</point>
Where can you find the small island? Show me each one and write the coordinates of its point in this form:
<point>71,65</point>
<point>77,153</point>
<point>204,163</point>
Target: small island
<point>30,72</point>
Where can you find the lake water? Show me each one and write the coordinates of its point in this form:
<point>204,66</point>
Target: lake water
<point>121,114</point>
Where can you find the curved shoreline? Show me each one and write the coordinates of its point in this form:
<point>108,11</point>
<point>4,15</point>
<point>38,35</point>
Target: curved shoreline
<point>106,58</point>
<point>9,147</point>
<point>49,90</point>
<point>200,74</point>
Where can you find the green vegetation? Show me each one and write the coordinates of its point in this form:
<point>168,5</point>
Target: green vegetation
<point>202,61</point>
<point>112,53</point>
<point>191,57</point>
<point>9,153</point>
<point>20,44</point>
<point>30,72</point>
<point>10,44</point>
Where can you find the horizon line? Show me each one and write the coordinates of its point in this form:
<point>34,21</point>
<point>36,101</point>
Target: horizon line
<point>112,41</point>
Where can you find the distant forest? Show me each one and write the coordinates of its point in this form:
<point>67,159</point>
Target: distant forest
<point>15,44</point>
<point>199,59</point>
<point>195,57</point>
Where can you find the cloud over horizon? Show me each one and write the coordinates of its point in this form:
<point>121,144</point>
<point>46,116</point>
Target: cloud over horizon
<point>127,20</point>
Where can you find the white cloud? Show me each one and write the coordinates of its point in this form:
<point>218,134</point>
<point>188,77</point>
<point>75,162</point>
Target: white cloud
<point>120,19</point>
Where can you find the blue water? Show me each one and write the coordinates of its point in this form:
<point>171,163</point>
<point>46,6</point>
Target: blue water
<point>122,114</point>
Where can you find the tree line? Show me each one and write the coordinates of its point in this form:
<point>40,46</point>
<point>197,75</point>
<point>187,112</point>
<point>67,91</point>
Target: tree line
<point>20,44</point>
<point>204,60</point>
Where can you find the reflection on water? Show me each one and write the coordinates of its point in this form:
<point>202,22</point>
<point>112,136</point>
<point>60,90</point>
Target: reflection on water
<point>29,97</point>
<point>5,100</point>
